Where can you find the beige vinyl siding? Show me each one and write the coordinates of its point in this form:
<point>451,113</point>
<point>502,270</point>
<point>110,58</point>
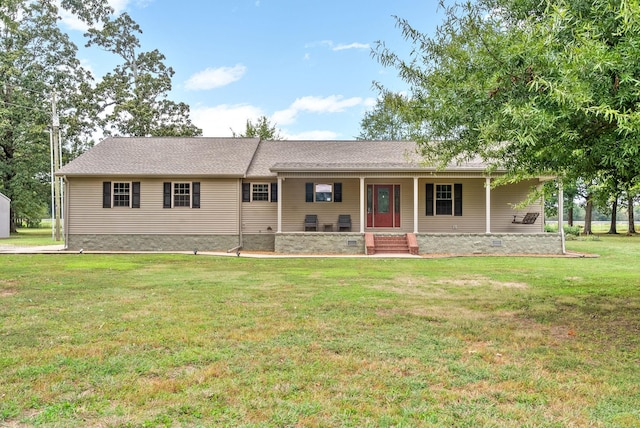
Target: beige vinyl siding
<point>473,208</point>
<point>502,200</point>
<point>218,212</point>
<point>294,207</point>
<point>406,204</point>
<point>259,216</point>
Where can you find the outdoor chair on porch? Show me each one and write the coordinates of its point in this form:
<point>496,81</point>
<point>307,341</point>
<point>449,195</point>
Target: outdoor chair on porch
<point>344,222</point>
<point>529,218</point>
<point>311,222</point>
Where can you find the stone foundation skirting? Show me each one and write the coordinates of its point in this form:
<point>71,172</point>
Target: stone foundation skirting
<point>322,243</point>
<point>319,243</point>
<point>152,242</point>
<point>498,243</point>
<point>259,242</point>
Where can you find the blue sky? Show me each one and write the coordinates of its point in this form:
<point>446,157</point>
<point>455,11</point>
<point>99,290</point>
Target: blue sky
<point>304,64</point>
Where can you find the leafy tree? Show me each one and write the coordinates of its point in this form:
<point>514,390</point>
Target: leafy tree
<point>36,59</point>
<point>385,121</point>
<point>262,129</point>
<point>534,86</point>
<point>132,100</point>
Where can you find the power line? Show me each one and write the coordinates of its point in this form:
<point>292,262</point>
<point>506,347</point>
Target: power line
<point>33,91</point>
<point>25,107</point>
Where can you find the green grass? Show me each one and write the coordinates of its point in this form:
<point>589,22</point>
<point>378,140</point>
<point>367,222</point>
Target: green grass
<point>177,340</point>
<point>29,237</point>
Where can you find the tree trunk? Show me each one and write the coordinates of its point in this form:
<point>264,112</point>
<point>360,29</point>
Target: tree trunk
<point>570,215</point>
<point>13,226</point>
<point>588,210</point>
<point>632,225</point>
<point>614,214</point>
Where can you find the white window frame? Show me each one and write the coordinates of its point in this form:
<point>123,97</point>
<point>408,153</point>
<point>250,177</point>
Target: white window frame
<point>317,189</point>
<point>450,199</point>
<point>174,194</point>
<point>129,194</point>
<point>267,191</point>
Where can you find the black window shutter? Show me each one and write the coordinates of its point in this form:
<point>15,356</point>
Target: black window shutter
<point>135,194</point>
<point>106,194</point>
<point>274,192</point>
<point>246,192</point>
<point>337,192</point>
<point>457,199</point>
<point>195,196</point>
<point>429,199</point>
<point>308,192</point>
<point>166,201</point>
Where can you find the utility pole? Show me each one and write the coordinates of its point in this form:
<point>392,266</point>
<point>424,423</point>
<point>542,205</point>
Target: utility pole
<point>56,156</point>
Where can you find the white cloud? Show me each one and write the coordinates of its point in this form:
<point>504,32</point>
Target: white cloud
<point>220,120</point>
<point>212,78</point>
<point>351,46</point>
<point>311,104</point>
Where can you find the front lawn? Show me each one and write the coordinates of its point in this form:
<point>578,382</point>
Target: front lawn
<point>177,340</point>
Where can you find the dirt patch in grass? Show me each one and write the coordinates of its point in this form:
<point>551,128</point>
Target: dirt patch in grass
<point>8,292</point>
<point>479,280</point>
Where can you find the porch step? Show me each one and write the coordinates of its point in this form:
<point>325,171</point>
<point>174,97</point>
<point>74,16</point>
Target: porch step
<point>391,244</point>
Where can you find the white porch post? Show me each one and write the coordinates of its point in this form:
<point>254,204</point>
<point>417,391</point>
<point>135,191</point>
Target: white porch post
<point>415,205</point>
<point>487,191</point>
<point>363,206</point>
<point>280,180</point>
<point>561,214</point>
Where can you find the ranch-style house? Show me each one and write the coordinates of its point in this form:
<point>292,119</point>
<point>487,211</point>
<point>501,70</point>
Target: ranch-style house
<point>300,197</point>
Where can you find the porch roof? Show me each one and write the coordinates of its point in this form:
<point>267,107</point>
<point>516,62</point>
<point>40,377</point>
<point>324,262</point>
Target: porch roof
<point>286,156</point>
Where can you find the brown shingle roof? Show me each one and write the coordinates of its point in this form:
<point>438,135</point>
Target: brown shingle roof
<point>338,155</point>
<point>359,155</point>
<point>245,157</point>
<point>222,157</point>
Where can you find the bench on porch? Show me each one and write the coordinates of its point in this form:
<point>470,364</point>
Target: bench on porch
<point>529,218</point>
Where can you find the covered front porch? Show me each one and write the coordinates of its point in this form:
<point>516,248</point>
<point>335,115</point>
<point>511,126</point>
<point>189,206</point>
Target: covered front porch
<point>453,213</point>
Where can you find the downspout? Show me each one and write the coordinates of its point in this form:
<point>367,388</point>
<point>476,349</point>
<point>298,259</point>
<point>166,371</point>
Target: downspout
<point>240,214</point>
<point>238,247</point>
<point>66,212</point>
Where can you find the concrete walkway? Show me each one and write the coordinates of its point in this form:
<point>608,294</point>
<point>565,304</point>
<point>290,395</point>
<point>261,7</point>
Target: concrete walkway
<point>59,249</point>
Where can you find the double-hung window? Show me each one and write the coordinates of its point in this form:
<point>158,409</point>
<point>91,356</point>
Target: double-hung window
<point>260,192</point>
<point>121,194</point>
<point>181,194</point>
<point>444,199</point>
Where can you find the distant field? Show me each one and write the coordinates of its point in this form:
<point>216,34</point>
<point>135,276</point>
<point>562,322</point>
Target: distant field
<point>177,340</point>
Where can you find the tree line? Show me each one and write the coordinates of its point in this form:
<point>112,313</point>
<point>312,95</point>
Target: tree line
<point>38,59</point>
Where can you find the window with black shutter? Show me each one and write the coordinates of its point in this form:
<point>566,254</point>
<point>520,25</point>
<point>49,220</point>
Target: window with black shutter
<point>429,198</point>
<point>106,194</point>
<point>195,196</point>
<point>135,194</point>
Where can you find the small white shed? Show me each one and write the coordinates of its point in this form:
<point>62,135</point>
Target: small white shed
<point>4,216</point>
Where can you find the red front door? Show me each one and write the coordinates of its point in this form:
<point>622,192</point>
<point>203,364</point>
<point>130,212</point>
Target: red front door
<point>381,205</point>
